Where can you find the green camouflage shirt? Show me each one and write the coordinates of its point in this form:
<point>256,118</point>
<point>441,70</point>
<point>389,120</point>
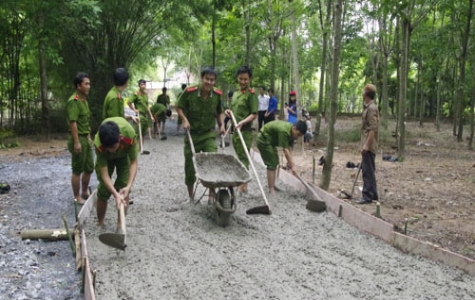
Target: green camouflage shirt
<point>77,110</point>
<point>128,143</point>
<point>113,104</point>
<point>244,104</point>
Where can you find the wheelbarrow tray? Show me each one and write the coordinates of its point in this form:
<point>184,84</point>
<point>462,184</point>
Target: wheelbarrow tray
<point>216,170</point>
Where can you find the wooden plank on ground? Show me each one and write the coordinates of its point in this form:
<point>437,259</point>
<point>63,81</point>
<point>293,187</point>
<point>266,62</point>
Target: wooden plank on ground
<point>88,208</point>
<point>77,241</point>
<point>88,286</point>
<point>411,245</point>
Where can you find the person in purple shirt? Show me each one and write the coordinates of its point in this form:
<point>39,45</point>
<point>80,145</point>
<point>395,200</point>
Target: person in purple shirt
<point>272,108</point>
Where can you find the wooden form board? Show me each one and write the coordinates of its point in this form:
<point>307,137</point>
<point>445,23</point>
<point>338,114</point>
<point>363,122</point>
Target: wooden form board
<point>411,245</point>
<point>88,208</point>
<point>88,286</point>
<point>377,227</point>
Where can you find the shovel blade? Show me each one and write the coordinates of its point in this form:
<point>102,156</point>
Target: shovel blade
<point>316,206</point>
<point>114,240</point>
<point>259,210</point>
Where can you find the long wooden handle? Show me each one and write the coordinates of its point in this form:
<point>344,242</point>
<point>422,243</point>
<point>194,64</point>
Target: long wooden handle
<point>356,179</point>
<point>303,182</point>
<point>249,158</point>
<point>191,142</point>
<point>122,217</point>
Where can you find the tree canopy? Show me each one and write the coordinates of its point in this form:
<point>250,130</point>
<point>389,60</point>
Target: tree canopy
<point>418,53</point>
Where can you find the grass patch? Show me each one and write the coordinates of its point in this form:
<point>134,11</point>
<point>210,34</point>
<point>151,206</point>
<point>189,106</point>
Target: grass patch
<point>351,135</point>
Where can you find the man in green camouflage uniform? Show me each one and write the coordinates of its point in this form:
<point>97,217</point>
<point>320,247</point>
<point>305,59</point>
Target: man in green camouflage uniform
<point>244,106</point>
<point>139,103</point>
<point>114,102</point>
<point>116,149</point>
<point>156,110</point>
<point>164,100</point>
<point>278,134</point>
<point>200,107</point>
<point>79,142</point>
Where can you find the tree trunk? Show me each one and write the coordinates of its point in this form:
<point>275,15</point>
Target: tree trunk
<point>463,59</point>
<point>397,65</point>
<point>403,88</point>
<point>248,33</point>
<point>472,121</point>
<point>213,39</point>
<point>384,45</point>
<point>422,103</point>
<point>295,62</point>
<point>323,67</point>
<point>455,109</point>
<point>282,83</point>
<point>337,29</point>
<point>43,77</point>
<point>437,109</point>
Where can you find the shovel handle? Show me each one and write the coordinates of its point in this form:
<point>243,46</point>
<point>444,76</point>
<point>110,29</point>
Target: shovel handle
<point>122,217</point>
<point>303,182</point>
<point>191,142</point>
<point>249,158</point>
<point>140,134</point>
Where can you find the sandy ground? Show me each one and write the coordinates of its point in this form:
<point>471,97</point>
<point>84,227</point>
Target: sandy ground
<point>176,250</point>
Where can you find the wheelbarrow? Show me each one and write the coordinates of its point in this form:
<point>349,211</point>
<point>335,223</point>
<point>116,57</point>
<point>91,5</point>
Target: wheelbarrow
<point>221,172</point>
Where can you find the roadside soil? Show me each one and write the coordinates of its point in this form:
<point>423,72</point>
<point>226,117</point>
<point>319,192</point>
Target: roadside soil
<point>433,188</point>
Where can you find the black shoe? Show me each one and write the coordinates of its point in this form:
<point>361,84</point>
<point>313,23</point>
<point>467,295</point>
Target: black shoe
<point>363,201</point>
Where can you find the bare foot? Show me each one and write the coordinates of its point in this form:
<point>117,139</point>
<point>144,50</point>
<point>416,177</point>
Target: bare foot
<point>80,200</point>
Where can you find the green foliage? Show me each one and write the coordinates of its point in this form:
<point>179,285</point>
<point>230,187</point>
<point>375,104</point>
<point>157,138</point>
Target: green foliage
<point>447,111</point>
<point>97,36</point>
<point>6,134</point>
<point>351,135</point>
<point>313,108</point>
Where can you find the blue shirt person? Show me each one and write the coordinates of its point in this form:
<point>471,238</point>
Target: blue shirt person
<point>272,108</point>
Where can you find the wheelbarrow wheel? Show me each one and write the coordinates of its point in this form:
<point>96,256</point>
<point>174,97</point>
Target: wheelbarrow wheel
<point>224,199</point>
<point>223,211</point>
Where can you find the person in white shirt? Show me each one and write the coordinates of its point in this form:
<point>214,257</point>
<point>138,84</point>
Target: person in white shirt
<point>308,135</point>
<point>263,105</point>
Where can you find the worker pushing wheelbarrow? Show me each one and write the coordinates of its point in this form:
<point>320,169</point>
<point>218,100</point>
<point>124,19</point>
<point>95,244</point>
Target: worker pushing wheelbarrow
<point>221,172</point>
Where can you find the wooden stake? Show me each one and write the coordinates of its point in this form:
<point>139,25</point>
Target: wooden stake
<point>69,236</point>
<point>76,209</point>
<point>340,211</point>
<point>77,241</point>
<point>83,271</point>
<point>405,226</point>
<point>94,273</point>
<point>378,210</point>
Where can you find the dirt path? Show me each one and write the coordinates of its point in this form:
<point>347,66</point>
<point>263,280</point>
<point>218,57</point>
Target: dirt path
<point>176,251</point>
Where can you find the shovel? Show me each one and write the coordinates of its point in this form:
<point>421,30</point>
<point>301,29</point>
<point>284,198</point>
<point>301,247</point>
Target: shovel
<point>265,209</point>
<point>116,240</point>
<point>356,179</point>
<point>312,204</point>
